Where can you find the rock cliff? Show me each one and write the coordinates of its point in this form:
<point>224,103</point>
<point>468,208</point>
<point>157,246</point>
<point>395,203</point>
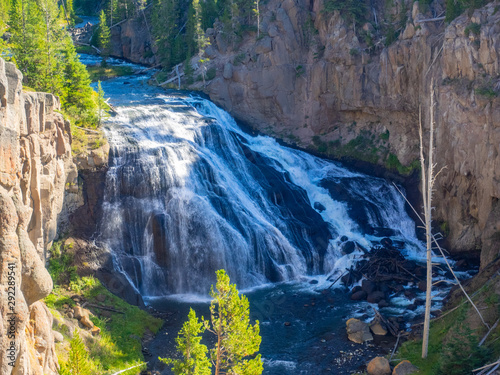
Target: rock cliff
<point>318,80</point>
<point>36,173</point>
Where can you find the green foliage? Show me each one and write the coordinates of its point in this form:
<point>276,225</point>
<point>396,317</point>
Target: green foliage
<point>352,10</point>
<point>44,52</point>
<point>487,91</point>
<point>385,135</point>
<point>461,354</point>
<point>79,362</point>
<point>117,346</point>
<point>61,267</point>
<point>211,73</point>
<point>104,35</point>
<point>454,8</point>
<point>393,163</point>
<point>194,354</point>
<point>474,28</point>
<point>237,339</point>
<point>102,73</point>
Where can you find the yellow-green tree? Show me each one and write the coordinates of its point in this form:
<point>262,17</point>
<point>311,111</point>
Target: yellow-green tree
<point>238,341</point>
<point>78,363</point>
<point>194,354</point>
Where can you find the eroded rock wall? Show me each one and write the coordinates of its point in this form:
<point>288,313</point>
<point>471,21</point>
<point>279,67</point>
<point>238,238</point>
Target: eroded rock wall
<point>312,80</point>
<point>36,168</point>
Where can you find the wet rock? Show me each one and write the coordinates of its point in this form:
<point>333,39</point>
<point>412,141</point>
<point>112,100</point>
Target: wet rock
<point>348,247</point>
<point>387,242</point>
<point>343,238</point>
<point>422,285</point>
<point>319,207</point>
<point>359,296</point>
<point>356,289</point>
<point>313,282</point>
<point>288,324</point>
<point>404,368</point>
<point>368,286</point>
<point>375,297</point>
<point>358,331</point>
<point>383,303</point>
<point>379,366</point>
<point>412,307</point>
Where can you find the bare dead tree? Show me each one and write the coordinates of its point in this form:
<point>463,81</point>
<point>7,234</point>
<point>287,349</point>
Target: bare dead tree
<point>428,180</point>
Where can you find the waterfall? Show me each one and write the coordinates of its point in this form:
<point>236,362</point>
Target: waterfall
<point>188,192</point>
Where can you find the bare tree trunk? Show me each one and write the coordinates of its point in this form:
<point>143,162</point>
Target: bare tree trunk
<point>427,186</point>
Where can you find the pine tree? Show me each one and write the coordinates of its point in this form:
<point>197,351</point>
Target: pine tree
<point>77,96</point>
<point>238,342</point>
<point>237,339</point>
<point>104,36</point>
<point>78,362</point>
<point>194,354</point>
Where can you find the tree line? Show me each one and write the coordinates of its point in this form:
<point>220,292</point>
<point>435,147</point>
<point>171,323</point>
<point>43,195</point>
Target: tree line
<point>35,38</point>
<point>179,26</point>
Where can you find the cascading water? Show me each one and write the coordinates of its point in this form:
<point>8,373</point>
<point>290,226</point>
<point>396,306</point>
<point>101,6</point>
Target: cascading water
<point>188,192</point>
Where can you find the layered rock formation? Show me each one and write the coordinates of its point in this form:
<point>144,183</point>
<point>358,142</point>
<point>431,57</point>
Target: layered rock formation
<point>36,170</point>
<point>322,82</point>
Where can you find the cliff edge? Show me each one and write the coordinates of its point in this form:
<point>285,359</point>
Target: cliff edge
<point>36,174</point>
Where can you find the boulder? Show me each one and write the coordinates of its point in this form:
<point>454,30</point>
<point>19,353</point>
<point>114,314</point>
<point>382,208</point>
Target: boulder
<point>404,368</point>
<point>86,322</point>
<point>378,328</point>
<point>375,297</point>
<point>379,366</point>
<point>358,296</point>
<point>58,337</point>
<point>368,286</point>
<point>95,331</point>
<point>358,331</point>
<point>348,247</point>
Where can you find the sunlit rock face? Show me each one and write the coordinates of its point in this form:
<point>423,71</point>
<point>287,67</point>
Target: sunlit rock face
<point>36,168</point>
<point>312,80</point>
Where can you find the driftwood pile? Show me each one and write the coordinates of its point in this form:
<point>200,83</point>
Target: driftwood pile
<point>385,264</point>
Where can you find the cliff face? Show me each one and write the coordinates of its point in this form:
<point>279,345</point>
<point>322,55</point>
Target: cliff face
<point>312,80</point>
<point>131,40</point>
<point>36,169</point>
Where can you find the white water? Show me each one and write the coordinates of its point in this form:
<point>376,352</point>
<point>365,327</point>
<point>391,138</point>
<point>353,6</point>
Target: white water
<point>188,192</point>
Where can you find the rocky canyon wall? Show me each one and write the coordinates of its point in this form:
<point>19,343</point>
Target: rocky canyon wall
<point>36,173</point>
<point>314,80</point>
<point>345,90</point>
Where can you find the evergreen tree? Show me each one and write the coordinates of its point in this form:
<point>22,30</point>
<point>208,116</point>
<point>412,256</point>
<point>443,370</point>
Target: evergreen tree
<point>208,13</point>
<point>77,97</point>
<point>237,339</point>
<point>194,354</point>
<point>104,36</point>
<point>238,342</point>
<point>78,362</point>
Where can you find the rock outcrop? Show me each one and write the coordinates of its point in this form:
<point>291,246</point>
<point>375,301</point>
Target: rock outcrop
<point>131,40</point>
<point>36,169</point>
<point>319,81</point>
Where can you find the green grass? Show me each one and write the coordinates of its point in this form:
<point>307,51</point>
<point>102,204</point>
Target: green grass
<point>119,344</point>
<point>85,49</point>
<point>99,73</point>
<point>393,163</point>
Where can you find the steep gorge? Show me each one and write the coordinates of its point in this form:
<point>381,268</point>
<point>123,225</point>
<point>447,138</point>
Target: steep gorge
<point>321,82</point>
<point>37,174</point>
